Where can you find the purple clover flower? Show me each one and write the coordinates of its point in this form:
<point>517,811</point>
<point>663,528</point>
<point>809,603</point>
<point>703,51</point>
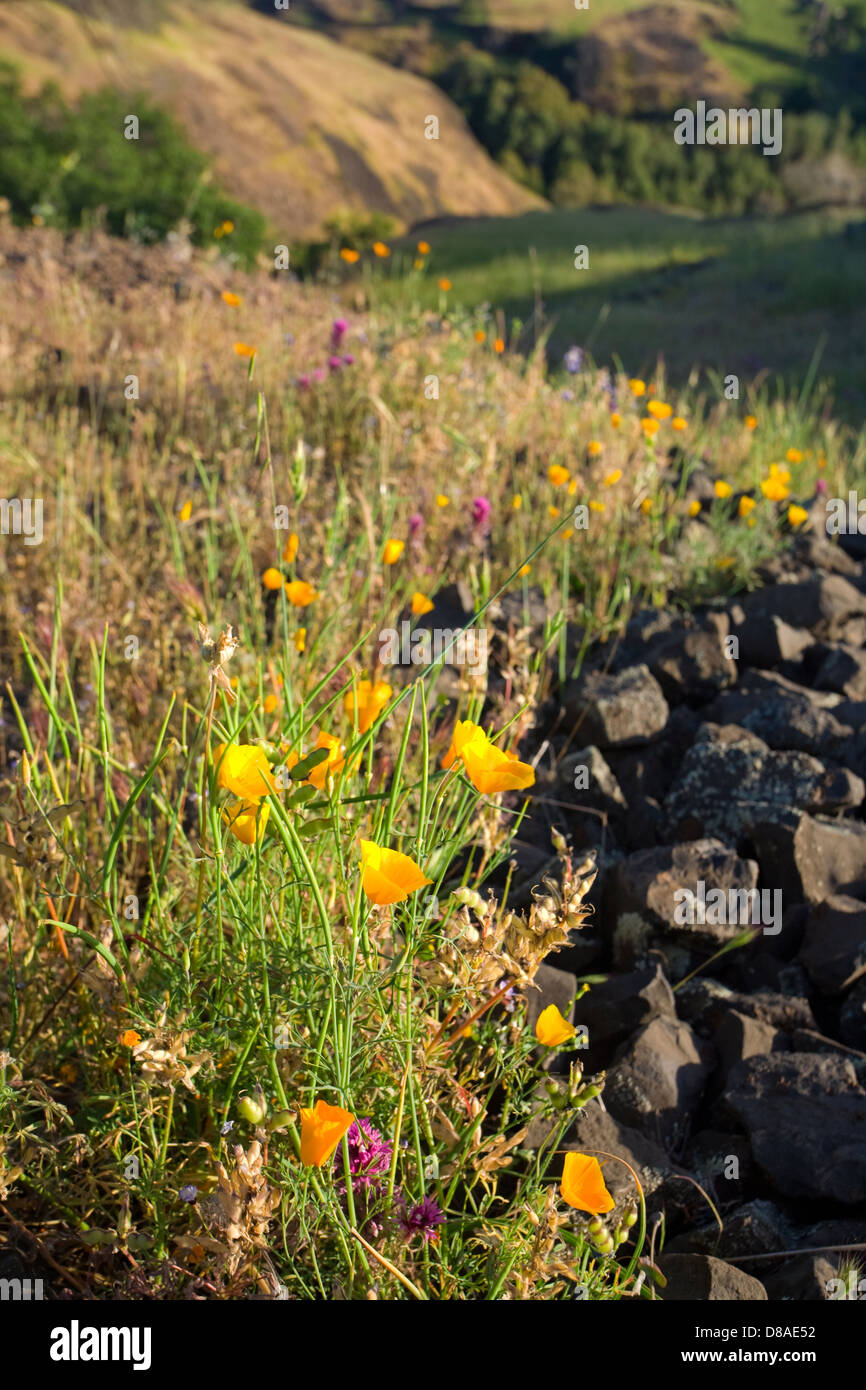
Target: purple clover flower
<point>339,329</point>
<point>421,1219</point>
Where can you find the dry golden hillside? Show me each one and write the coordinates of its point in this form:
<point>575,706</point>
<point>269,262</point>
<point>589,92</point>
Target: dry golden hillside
<point>297,125</point>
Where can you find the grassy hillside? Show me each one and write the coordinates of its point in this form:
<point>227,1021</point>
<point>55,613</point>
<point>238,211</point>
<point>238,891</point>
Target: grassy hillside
<point>741,295</point>
<point>296,124</point>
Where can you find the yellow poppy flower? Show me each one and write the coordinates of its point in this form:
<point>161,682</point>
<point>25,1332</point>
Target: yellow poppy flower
<point>421,604</point>
<point>392,552</point>
<point>381,250</point>
<point>524,569</point>
<point>594,448</point>
<point>270,703</point>
<point>596,506</point>
<point>365,704</point>
<point>659,410</point>
<point>794,456</point>
<point>611,478</point>
<point>583,1186</point>
<point>300,639</point>
<point>290,549</point>
<point>185,512</point>
<point>233,300</point>
<point>442,500</point>
<point>300,593</point>
<point>246,819</point>
<point>322,1128</point>
<point>694,508</point>
<point>272,579</point>
<point>649,426</point>
<point>636,386</point>
<point>388,876</point>
<point>721,488</point>
<point>498,345</point>
<point>678,423</point>
<point>745,505</point>
<point>553,512</point>
<point>243,768</point>
<point>646,506</point>
<point>489,769</point>
<point>349,255</point>
<point>557,474</point>
<point>228,227</point>
<point>615,419</point>
<point>551,1028</point>
<point>245,350</point>
<point>517,501</point>
<point>797,515</point>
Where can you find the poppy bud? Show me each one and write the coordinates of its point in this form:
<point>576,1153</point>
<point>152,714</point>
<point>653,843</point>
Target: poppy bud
<point>252,1108</point>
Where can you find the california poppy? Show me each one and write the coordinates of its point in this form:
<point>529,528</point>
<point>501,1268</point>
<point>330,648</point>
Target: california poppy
<point>365,704</point>
<point>421,604</point>
<point>299,593</point>
<point>551,1028</point>
<point>489,769</point>
<point>392,552</point>
<point>322,1128</point>
<point>246,819</point>
<point>243,768</point>
<point>583,1186</point>
<point>388,876</point>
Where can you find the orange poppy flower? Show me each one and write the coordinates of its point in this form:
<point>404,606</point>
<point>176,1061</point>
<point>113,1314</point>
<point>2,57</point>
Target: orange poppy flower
<point>130,1038</point>
<point>349,255</point>
<point>583,1186</point>
<point>388,876</point>
<point>364,705</point>
<point>444,284</point>
<point>290,549</point>
<point>243,768</point>
<point>246,819</point>
<point>659,410</point>
<point>322,1128</point>
<point>272,579</point>
<point>299,593</point>
<point>245,350</point>
<point>300,640</point>
<point>489,769</point>
<point>423,248</point>
<point>233,300</point>
<point>421,604</point>
<point>551,1028</point>
<point>392,552</point>
<point>381,250</point>
<point>185,512</point>
<point>557,474</point>
<point>330,766</point>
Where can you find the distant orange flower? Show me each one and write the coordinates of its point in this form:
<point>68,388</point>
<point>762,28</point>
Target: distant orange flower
<point>678,423</point>
<point>594,448</point>
<point>517,501</point>
<point>646,506</point>
<point>299,593</point>
<point>745,505</point>
<point>185,512</point>
<point>553,512</point>
<point>557,474</point>
<point>659,410</point>
<point>228,227</point>
<point>130,1038</point>
<point>613,477</point>
<point>479,335</point>
<point>797,515</point>
<point>421,604</point>
<point>794,456</point>
<point>233,300</point>
<point>445,284</point>
<point>423,248</point>
<point>392,552</point>
<point>751,422</point>
<point>365,704</point>
<point>300,639</point>
<point>583,1186</point>
<point>322,1128</point>
<point>244,350</point>
<point>272,578</point>
<point>290,549</point>
<point>694,508</point>
<point>498,345</point>
<point>381,250</point>
<point>615,419</point>
<point>551,1028</point>
<point>721,488</point>
<point>490,770</point>
<point>349,255</point>
<point>524,569</point>
<point>243,768</point>
<point>270,703</point>
<point>649,426</point>
<point>388,876</point>
<point>636,386</point>
<point>330,766</point>
<point>442,500</point>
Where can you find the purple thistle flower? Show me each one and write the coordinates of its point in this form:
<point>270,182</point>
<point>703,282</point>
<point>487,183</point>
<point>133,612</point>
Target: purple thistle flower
<point>369,1154</point>
<point>420,1220</point>
<point>416,526</point>
<point>335,363</point>
<point>339,328</point>
<point>318,374</point>
<point>349,359</point>
<point>573,359</point>
<point>821,485</point>
<point>304,381</point>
